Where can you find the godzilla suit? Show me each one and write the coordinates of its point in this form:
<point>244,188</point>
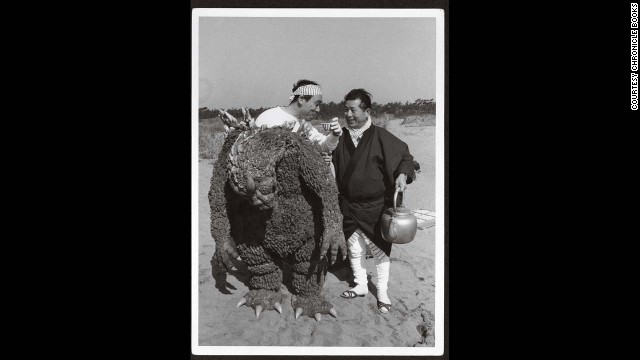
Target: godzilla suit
<point>274,201</point>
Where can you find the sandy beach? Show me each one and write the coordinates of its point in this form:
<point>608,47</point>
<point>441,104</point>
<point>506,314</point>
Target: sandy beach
<point>411,285</point>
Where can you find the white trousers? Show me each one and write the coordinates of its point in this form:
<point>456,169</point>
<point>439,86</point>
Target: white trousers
<point>357,246</point>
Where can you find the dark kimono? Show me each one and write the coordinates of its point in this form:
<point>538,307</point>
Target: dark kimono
<point>366,178</point>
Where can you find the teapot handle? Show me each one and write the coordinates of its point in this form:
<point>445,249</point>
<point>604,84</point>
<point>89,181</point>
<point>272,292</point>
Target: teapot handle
<point>395,199</point>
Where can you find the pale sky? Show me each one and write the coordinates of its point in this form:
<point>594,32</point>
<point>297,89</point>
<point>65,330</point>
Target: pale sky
<point>253,62</point>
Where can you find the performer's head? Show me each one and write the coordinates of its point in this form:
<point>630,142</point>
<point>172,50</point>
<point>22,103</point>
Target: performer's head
<point>306,97</point>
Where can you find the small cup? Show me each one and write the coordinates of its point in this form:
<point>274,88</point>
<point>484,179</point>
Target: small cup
<point>326,126</point>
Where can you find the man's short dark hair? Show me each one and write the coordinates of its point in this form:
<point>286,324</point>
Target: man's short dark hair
<point>363,95</point>
<point>302,82</point>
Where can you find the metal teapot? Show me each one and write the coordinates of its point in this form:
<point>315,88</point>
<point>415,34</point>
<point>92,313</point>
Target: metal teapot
<point>398,225</point>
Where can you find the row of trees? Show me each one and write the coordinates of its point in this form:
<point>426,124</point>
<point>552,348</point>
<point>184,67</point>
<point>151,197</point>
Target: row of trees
<point>331,110</point>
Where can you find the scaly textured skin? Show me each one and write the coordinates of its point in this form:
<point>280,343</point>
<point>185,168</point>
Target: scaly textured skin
<point>274,200</point>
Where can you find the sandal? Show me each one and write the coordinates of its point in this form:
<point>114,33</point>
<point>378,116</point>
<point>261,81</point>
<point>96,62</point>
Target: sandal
<point>350,294</point>
<point>384,308</point>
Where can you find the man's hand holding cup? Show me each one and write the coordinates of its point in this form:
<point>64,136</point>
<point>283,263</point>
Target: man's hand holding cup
<point>333,126</point>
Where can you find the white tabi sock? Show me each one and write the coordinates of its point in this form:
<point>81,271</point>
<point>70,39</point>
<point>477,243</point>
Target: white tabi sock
<point>357,247</point>
<point>382,278</point>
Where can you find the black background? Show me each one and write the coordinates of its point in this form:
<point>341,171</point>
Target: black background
<point>534,93</point>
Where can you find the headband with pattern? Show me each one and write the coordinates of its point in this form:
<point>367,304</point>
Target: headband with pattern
<point>306,90</point>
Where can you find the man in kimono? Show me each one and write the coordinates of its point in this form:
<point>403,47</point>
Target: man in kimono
<point>370,163</point>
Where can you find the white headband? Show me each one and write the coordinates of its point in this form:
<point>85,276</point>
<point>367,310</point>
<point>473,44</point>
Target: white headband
<point>306,90</point>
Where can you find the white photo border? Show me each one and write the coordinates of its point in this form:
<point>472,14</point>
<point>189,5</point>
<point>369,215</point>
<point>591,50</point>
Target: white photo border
<point>438,349</point>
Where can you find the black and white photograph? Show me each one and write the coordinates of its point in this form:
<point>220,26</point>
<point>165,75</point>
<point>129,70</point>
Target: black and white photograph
<point>318,219</point>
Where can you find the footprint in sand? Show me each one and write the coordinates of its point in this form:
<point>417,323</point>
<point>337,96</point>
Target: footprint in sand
<point>413,269</point>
